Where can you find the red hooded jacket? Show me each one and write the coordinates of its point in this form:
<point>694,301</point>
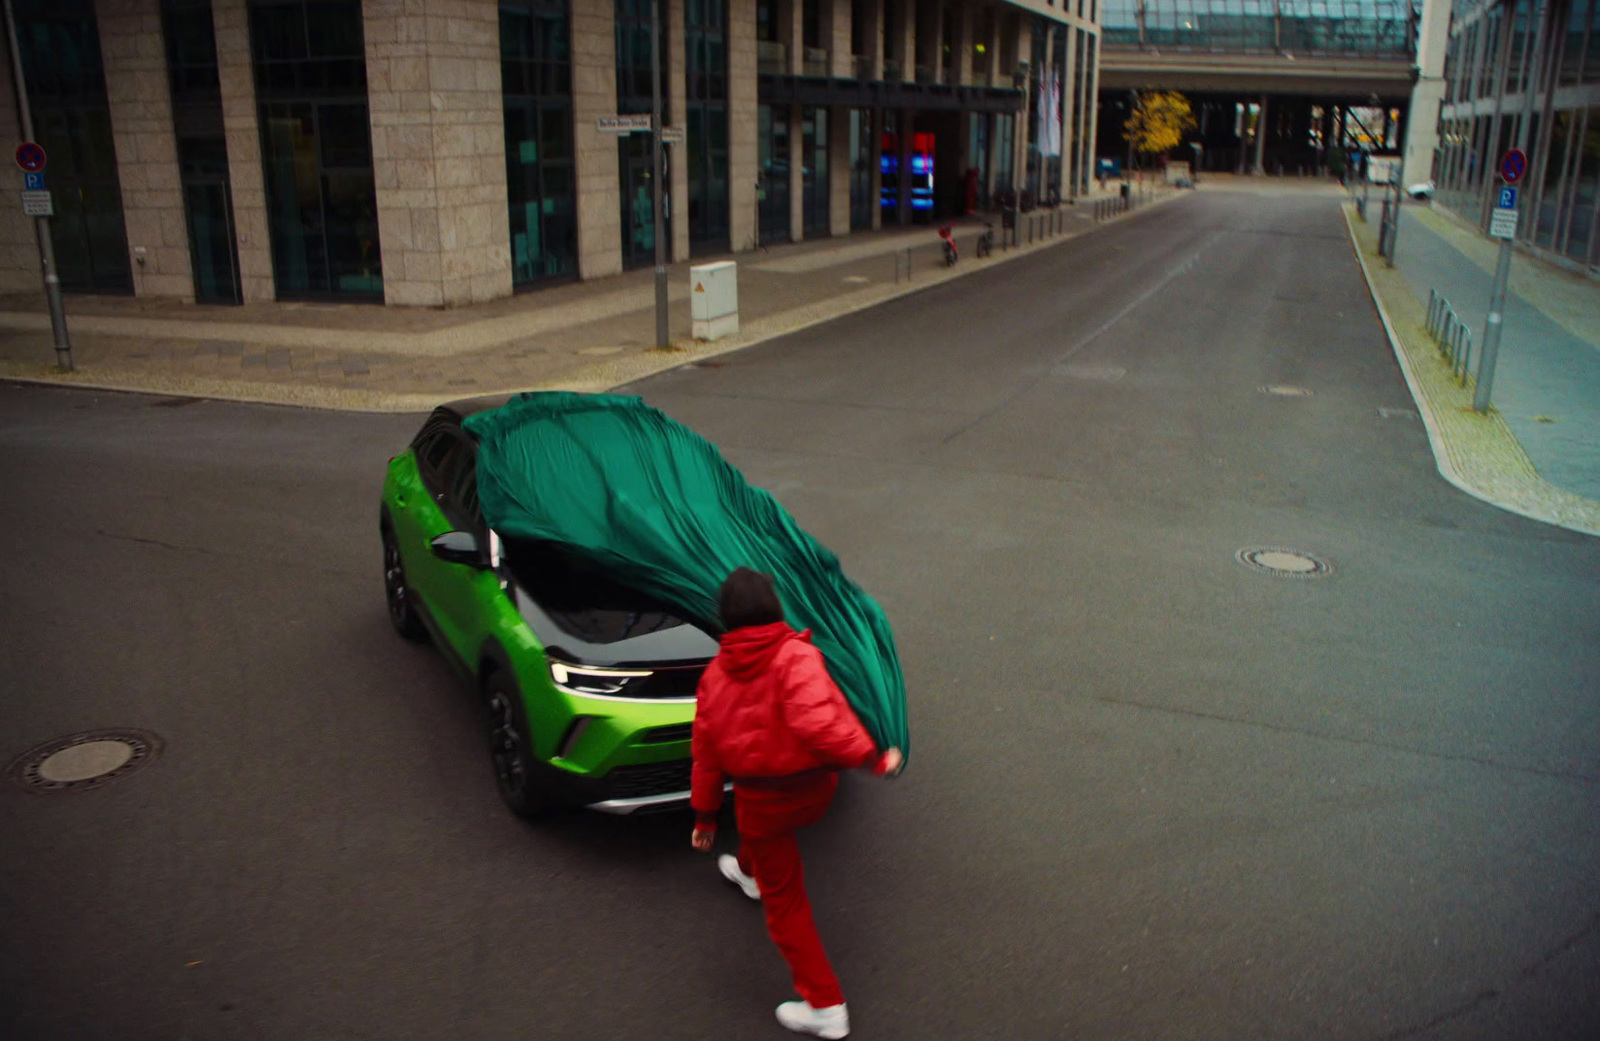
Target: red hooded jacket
<point>767,708</point>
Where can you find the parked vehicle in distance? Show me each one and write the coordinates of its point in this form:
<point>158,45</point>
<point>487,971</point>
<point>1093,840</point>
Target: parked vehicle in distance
<point>587,685</point>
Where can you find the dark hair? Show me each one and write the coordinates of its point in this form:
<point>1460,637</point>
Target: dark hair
<point>748,597</point>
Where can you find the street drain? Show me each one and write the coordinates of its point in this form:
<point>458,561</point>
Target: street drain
<point>1285,563</point>
<point>1285,390</point>
<point>83,761</point>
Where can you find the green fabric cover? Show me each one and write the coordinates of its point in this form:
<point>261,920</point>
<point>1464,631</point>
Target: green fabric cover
<point>656,504</point>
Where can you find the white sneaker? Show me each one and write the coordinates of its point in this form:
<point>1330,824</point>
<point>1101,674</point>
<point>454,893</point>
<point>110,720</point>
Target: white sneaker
<point>730,871</point>
<point>831,1022</point>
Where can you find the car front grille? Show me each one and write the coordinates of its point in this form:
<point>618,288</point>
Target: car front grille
<point>668,682</point>
<point>666,735</point>
<point>632,782</point>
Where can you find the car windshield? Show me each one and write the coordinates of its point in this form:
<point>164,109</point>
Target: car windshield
<point>580,598</point>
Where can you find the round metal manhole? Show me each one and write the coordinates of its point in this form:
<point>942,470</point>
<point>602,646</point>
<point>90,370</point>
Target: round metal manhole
<point>82,761</point>
<point>1285,563</point>
<point>1285,390</point>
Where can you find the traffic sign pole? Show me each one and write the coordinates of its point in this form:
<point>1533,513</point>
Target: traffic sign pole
<point>41,225</point>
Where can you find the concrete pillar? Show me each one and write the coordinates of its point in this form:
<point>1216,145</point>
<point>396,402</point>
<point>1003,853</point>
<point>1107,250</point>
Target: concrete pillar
<point>1023,35</point>
<point>908,126</point>
<point>1091,102</point>
<point>1261,138</point>
<point>961,46</point>
<point>839,170</point>
<point>1427,93</point>
<point>594,94</point>
<point>875,38</point>
<point>791,33</point>
<point>1072,105</point>
<point>134,56</point>
<point>241,127</point>
<point>797,161</point>
<point>836,37</point>
<point>438,150</point>
<point>743,125</point>
<point>676,115</point>
<point>991,71</point>
<point>903,35</point>
<point>877,168</point>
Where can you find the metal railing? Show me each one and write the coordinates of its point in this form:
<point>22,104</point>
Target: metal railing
<point>1451,336</point>
<point>861,64</point>
<point>891,70</point>
<point>815,61</point>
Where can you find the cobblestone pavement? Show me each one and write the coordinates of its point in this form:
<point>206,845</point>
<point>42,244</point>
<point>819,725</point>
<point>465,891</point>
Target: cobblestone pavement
<point>1482,454</point>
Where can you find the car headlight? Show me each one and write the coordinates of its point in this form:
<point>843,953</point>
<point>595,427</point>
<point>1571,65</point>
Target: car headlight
<point>591,680</point>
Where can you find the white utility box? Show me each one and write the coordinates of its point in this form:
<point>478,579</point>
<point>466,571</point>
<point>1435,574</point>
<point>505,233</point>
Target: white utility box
<point>714,300</point>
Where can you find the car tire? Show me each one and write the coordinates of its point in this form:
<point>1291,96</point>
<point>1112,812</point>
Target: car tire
<point>397,595</point>
<point>516,771</point>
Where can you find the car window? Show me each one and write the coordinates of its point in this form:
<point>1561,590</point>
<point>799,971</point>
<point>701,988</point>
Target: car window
<point>461,503</point>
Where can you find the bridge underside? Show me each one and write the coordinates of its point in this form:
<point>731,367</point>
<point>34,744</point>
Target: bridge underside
<point>1382,82</point>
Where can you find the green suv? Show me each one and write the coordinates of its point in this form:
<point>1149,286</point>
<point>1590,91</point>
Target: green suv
<point>587,686</point>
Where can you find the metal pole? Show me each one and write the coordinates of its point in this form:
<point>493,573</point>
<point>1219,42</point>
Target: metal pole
<point>1489,354</point>
<point>41,225</point>
<point>655,156</point>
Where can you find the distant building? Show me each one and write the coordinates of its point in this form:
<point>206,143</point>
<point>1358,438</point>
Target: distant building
<point>1532,63</point>
<point>444,152</point>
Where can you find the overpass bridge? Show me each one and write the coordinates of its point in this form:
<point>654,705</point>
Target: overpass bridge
<point>1275,84</point>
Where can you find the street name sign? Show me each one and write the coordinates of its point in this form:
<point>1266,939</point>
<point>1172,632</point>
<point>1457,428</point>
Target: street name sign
<point>1503,224</point>
<point>672,135</point>
<point>1513,165</point>
<point>630,124</point>
<point>30,156</point>
<point>37,204</point>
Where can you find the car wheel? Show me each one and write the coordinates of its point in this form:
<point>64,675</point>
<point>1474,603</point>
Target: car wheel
<point>511,747</point>
<point>402,612</point>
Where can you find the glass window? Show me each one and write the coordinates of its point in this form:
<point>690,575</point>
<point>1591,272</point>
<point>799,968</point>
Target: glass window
<point>706,134</point>
<point>316,148</point>
<point>60,47</point>
<point>814,172</point>
<point>202,149</point>
<point>1582,230</point>
<point>772,191</point>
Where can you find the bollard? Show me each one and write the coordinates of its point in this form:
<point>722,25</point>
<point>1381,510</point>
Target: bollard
<point>1433,309</point>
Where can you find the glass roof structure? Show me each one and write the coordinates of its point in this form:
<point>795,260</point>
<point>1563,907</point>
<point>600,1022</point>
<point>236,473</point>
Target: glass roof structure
<point>1367,28</point>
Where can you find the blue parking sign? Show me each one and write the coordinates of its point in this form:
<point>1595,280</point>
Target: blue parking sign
<point>1508,199</point>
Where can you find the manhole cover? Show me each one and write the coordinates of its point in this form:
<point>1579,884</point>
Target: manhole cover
<point>86,760</point>
<point>1285,390</point>
<point>1285,563</point>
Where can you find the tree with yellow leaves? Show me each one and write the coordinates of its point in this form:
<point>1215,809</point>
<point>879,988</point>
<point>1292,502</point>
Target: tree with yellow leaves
<point>1158,121</point>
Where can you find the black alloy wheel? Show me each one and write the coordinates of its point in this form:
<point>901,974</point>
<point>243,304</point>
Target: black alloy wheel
<point>510,747</point>
<point>402,612</point>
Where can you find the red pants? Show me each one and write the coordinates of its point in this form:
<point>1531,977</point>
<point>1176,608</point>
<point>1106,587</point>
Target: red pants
<point>768,851</point>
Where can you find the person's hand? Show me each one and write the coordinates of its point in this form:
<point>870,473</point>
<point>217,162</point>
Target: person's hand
<point>893,762</point>
<point>702,838</point>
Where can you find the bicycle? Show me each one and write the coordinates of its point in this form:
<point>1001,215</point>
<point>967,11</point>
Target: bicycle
<point>951,254</point>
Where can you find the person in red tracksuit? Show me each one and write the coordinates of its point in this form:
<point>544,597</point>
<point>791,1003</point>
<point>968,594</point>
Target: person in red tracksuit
<point>770,719</point>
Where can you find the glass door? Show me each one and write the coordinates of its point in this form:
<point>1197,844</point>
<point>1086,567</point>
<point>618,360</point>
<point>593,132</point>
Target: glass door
<point>211,243</point>
<point>772,192</point>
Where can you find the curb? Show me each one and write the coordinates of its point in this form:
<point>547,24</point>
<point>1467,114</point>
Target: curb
<point>595,378</point>
<point>1511,482</point>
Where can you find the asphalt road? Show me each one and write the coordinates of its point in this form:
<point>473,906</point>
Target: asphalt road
<point>1152,793</point>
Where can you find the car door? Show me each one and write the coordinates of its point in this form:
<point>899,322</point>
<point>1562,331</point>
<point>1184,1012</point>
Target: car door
<point>441,453</point>
<point>466,599</point>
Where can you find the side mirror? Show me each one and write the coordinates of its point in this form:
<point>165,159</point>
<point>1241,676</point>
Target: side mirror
<point>459,547</point>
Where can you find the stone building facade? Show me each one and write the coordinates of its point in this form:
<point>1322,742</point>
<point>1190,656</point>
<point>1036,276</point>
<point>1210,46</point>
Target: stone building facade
<point>445,152</point>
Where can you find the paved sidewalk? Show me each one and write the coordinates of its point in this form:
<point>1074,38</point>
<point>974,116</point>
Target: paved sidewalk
<point>1537,452</point>
<point>583,336</point>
